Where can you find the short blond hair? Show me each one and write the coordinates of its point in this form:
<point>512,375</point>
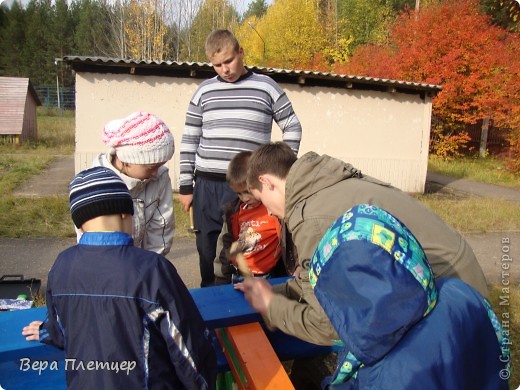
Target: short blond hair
<point>220,40</point>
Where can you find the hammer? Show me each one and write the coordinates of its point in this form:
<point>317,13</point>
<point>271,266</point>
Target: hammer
<point>240,259</point>
<point>236,251</point>
<point>192,229</point>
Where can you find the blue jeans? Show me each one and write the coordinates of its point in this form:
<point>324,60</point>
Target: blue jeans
<point>209,198</point>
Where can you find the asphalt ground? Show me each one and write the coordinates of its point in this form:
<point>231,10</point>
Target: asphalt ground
<point>498,253</point>
<point>34,257</point>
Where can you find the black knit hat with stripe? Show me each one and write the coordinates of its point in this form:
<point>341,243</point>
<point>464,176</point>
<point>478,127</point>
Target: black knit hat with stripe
<point>98,191</point>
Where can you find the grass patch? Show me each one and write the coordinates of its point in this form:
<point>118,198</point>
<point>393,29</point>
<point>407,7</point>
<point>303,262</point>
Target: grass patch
<point>55,135</point>
<point>17,168</point>
<point>34,217</point>
<point>46,216</point>
<point>50,217</point>
<point>473,214</point>
<point>485,170</point>
<point>182,220</point>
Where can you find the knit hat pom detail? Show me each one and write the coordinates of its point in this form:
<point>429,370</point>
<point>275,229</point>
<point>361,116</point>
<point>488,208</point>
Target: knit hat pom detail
<point>140,138</point>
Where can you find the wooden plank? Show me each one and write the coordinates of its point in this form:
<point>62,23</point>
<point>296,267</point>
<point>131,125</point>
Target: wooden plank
<point>290,347</point>
<point>223,306</point>
<point>11,324</point>
<point>252,359</point>
<point>22,363</point>
<point>231,358</point>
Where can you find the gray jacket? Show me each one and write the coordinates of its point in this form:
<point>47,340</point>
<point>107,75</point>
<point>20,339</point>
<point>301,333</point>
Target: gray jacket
<point>154,220</point>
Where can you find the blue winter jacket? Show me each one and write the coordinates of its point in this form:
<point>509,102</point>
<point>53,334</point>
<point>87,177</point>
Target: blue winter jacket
<point>125,319</point>
<point>400,328</point>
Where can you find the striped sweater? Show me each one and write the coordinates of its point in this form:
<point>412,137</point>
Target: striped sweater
<point>224,119</point>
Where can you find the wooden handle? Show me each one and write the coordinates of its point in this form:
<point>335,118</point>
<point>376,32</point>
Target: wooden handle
<point>241,260</point>
<point>192,224</point>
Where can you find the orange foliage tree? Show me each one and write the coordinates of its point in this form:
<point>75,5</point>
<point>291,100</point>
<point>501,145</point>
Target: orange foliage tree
<point>456,46</point>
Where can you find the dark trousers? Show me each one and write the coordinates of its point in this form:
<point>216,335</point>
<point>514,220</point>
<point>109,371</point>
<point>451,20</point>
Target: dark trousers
<point>209,197</point>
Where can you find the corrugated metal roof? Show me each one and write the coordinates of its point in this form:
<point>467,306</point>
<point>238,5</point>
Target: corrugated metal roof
<point>13,94</point>
<point>205,70</point>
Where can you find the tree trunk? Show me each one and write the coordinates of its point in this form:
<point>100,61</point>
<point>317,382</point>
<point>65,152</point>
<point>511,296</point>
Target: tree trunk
<point>484,137</point>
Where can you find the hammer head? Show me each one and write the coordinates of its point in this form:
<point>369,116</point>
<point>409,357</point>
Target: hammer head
<point>236,251</point>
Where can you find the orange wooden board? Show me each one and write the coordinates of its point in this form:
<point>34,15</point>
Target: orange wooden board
<point>258,361</point>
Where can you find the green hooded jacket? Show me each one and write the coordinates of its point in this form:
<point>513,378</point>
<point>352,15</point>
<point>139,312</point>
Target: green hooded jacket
<point>318,190</point>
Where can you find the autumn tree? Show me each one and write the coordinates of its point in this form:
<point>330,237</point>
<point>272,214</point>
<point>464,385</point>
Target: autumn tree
<point>212,15</point>
<point>181,14</point>
<point>145,29</point>
<point>504,13</point>
<point>508,81</point>
<point>400,5</point>
<point>292,34</point>
<point>339,41</point>
<point>366,21</point>
<point>455,45</point>
<point>252,36</point>
<point>117,34</point>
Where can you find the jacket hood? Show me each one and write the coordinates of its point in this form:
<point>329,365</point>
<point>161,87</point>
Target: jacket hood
<point>312,173</point>
<point>371,277</point>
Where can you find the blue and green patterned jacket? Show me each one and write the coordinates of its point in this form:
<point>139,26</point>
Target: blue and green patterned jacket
<point>401,328</point>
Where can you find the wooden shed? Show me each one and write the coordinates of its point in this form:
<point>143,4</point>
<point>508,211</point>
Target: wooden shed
<point>380,126</point>
<point>18,102</point>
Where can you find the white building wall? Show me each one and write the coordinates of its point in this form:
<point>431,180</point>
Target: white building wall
<point>384,134</point>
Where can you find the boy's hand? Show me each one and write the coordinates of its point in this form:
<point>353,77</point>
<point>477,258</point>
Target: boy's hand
<point>186,201</point>
<point>258,292</point>
<point>32,331</point>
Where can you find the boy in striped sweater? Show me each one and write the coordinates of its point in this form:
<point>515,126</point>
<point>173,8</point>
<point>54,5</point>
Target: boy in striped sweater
<point>229,113</point>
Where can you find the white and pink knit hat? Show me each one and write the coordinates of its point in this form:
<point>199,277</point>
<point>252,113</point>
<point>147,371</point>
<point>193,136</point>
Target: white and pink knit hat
<point>140,138</point>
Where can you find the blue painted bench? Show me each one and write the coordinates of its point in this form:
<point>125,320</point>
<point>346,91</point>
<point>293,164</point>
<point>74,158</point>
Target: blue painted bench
<point>220,306</point>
